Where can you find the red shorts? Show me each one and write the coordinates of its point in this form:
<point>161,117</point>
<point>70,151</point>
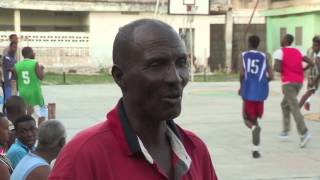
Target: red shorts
<point>253,109</point>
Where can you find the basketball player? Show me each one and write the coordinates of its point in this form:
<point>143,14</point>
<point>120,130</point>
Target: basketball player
<point>314,74</point>
<point>29,74</point>
<point>255,74</point>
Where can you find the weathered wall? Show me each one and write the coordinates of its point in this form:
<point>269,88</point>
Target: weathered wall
<point>6,19</point>
<point>104,26</point>
<point>309,22</point>
<point>292,3</point>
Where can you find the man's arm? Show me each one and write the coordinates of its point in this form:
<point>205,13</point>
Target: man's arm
<point>4,172</point>
<point>241,73</point>
<point>39,173</point>
<point>277,65</point>
<point>14,74</point>
<point>241,68</point>
<point>269,69</point>
<point>308,61</point>
<point>40,71</point>
<point>317,79</point>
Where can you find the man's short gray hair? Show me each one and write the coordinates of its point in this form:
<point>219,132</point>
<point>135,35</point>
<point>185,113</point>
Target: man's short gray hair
<point>50,133</point>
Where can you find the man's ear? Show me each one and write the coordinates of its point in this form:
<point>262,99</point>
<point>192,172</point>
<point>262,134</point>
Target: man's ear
<point>118,76</point>
<point>62,142</point>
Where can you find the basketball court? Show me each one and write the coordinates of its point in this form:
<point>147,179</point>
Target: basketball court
<point>212,111</point>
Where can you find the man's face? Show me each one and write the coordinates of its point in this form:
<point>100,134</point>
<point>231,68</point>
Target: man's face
<point>4,130</point>
<point>316,47</point>
<point>26,132</point>
<point>13,49</point>
<point>14,39</point>
<point>154,82</point>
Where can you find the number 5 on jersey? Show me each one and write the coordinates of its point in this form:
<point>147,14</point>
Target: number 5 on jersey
<point>253,67</point>
<point>26,77</point>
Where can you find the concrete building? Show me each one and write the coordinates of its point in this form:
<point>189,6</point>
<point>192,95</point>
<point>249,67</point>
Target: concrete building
<point>299,18</point>
<point>79,34</point>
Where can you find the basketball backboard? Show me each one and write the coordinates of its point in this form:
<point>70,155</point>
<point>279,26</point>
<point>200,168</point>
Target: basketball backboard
<point>184,7</point>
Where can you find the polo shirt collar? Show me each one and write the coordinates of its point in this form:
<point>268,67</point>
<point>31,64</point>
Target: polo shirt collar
<point>182,160</point>
<point>24,146</point>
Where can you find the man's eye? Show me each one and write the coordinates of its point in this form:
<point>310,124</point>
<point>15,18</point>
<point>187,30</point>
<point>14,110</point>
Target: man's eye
<point>155,63</point>
<point>181,61</point>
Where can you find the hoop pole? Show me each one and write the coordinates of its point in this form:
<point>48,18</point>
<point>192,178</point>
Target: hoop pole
<point>156,9</point>
<point>250,21</point>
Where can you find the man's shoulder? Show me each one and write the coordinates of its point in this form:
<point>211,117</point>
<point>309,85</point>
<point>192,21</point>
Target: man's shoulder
<point>90,135</point>
<point>190,137</point>
<point>15,148</point>
<point>83,150</point>
<point>85,138</point>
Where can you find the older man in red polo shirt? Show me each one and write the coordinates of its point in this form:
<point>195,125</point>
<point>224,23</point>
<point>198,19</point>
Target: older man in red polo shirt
<point>139,140</point>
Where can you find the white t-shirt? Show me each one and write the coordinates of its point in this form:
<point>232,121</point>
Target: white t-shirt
<point>278,54</point>
<point>316,55</point>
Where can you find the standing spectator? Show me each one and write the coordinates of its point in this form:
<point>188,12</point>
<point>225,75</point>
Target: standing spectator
<point>139,139</point>
<point>29,75</point>
<point>5,164</point>
<point>289,62</point>
<point>14,108</point>
<point>8,63</point>
<point>36,164</point>
<point>12,38</point>
<point>255,74</point>
<point>25,131</point>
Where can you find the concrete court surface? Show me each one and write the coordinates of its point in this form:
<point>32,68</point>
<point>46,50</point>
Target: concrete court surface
<point>212,111</point>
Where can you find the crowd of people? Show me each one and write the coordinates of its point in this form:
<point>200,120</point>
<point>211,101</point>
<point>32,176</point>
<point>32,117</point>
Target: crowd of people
<point>28,143</point>
<point>139,135</point>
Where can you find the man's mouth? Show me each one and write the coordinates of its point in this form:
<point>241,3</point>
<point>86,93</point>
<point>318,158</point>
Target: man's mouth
<point>172,98</point>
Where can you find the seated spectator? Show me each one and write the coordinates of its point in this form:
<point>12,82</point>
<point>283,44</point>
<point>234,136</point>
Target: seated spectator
<point>25,129</point>
<point>5,165</point>
<point>36,164</point>
<point>14,108</point>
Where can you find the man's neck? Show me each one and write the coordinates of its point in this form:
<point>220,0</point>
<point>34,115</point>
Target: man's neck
<point>11,54</point>
<point>151,132</point>
<point>44,154</point>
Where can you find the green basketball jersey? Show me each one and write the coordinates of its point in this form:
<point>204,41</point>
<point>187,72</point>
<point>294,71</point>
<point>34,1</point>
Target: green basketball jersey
<point>29,85</point>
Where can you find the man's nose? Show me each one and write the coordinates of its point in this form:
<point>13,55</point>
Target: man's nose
<point>172,74</point>
<point>29,133</point>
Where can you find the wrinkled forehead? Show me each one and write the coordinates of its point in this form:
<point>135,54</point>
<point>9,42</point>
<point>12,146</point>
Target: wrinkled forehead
<point>150,37</point>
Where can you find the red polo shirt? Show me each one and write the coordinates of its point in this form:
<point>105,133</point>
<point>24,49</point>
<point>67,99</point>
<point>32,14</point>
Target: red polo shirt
<point>111,151</point>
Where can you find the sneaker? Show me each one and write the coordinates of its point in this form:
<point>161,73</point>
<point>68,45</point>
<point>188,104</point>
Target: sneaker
<point>305,139</point>
<point>256,154</point>
<point>284,135</point>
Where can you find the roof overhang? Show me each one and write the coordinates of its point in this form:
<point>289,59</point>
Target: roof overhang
<point>290,10</point>
<point>77,6</point>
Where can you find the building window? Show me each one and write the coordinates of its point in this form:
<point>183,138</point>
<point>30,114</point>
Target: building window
<point>283,32</point>
<point>298,36</point>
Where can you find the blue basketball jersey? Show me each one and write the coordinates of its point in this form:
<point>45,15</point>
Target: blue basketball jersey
<point>255,85</point>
